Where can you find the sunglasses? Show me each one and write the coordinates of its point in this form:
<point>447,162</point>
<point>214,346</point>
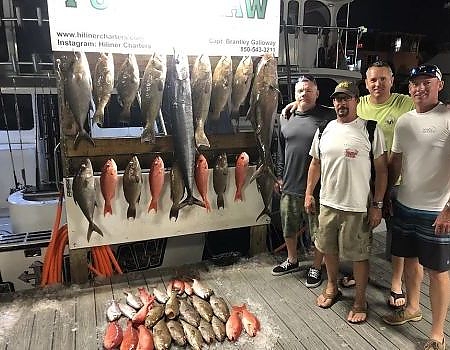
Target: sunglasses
<point>306,77</point>
<point>429,70</point>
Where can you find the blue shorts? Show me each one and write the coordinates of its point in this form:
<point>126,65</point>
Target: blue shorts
<point>413,237</point>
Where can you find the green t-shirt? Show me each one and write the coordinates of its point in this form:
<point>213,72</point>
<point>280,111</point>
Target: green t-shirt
<point>386,114</point>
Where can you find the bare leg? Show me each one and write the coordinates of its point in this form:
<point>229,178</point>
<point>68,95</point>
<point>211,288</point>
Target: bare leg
<point>396,281</point>
<point>440,300</point>
<point>291,246</point>
<point>361,273</point>
<point>318,258</point>
<point>413,279</point>
<point>332,264</point>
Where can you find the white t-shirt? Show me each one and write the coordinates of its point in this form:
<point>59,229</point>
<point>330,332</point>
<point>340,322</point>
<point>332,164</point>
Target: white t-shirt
<point>345,163</point>
<point>424,141</point>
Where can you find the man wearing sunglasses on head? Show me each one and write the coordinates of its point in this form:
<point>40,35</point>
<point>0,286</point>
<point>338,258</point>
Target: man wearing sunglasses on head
<point>421,212</point>
<point>294,141</point>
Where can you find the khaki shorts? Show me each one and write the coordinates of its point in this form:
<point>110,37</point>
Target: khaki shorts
<point>344,233</point>
<point>293,215</point>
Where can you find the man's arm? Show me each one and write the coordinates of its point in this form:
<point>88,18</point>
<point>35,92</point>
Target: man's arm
<point>381,173</point>
<point>394,170</point>
<point>311,182</point>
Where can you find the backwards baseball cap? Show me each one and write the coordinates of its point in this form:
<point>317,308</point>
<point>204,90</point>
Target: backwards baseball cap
<point>346,87</point>
<point>429,70</point>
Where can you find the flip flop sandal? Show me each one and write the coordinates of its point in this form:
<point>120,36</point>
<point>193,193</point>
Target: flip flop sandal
<point>395,296</point>
<point>333,297</point>
<point>348,281</point>
<point>359,310</point>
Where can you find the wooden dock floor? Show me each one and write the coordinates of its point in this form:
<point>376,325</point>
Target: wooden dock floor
<point>73,318</point>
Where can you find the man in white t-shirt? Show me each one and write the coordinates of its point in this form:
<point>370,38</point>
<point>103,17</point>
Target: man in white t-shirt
<point>348,211</point>
<point>421,212</point>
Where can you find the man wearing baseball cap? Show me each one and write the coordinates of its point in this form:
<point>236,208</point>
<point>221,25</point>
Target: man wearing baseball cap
<point>342,161</point>
<point>421,211</point>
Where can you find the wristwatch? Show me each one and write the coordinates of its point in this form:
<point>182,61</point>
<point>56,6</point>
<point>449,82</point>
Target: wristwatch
<point>378,205</point>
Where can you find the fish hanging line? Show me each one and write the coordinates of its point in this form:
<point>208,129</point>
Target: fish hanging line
<point>19,128</point>
<point>5,119</point>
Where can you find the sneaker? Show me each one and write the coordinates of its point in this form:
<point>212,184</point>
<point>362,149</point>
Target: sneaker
<point>284,268</point>
<point>399,317</point>
<point>314,277</point>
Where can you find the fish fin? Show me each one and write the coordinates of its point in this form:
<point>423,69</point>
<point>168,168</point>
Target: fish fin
<point>201,139</point>
<point>93,227</point>
<point>99,116</point>
<point>138,98</point>
<point>174,212</point>
<point>220,201</point>
<point>125,114</point>
<point>107,210</point>
<point>265,211</point>
<point>148,134</point>
<point>82,135</point>
<point>257,173</point>
<point>131,212</point>
<point>153,205</point>
<point>160,85</point>
<point>238,196</point>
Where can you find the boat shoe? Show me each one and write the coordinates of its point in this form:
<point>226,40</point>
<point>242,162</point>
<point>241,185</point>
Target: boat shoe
<point>401,316</point>
<point>432,344</point>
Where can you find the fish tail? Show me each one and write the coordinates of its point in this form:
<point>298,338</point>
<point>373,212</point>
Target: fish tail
<point>153,205</point>
<point>93,227</point>
<point>125,113</point>
<point>131,212</point>
<point>235,112</point>
<point>148,134</point>
<point>99,116</point>
<point>265,211</point>
<point>174,212</point>
<point>200,138</point>
<point>214,115</point>
<point>238,195</point>
<point>220,201</point>
<point>82,135</point>
<point>108,209</point>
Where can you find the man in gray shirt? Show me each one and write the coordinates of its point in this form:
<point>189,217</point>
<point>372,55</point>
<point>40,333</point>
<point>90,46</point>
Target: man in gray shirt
<point>296,133</point>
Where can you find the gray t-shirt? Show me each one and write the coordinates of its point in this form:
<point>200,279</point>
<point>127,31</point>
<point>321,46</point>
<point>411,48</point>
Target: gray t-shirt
<point>294,143</point>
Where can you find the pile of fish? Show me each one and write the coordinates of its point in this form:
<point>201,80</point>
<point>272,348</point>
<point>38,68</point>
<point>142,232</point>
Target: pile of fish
<point>183,314</point>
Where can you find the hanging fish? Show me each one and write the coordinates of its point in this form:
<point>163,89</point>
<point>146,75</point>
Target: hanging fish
<point>83,188</point>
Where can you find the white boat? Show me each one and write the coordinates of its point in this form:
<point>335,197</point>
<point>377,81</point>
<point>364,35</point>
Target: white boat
<point>314,39</point>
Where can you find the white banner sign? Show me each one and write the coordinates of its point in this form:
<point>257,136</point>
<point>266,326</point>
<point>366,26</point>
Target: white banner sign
<point>212,27</point>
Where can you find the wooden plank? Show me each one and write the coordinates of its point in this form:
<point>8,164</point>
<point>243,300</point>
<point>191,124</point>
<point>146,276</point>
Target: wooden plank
<point>258,236</point>
<point>85,333</point>
<point>19,338</point>
<point>103,296</point>
<point>65,324</point>
<point>43,330</point>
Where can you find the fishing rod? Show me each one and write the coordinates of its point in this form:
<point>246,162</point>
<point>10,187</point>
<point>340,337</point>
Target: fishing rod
<point>5,119</point>
<point>19,128</point>
<point>36,142</point>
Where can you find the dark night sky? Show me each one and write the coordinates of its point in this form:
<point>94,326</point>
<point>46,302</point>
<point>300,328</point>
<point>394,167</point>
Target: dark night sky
<point>413,16</point>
